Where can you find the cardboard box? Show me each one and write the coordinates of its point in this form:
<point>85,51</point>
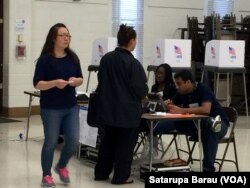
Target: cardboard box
<point>225,53</point>
<point>100,47</point>
<point>175,52</point>
<point>160,167</point>
<point>175,162</point>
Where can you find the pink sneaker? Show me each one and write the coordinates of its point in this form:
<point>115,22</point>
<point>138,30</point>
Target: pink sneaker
<point>47,182</point>
<point>63,173</point>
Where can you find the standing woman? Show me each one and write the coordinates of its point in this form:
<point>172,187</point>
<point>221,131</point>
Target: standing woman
<point>57,74</point>
<point>121,87</point>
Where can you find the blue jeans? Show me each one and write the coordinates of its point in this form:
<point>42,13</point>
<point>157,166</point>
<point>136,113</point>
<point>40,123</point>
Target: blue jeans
<point>164,126</point>
<point>54,121</point>
<point>209,138</point>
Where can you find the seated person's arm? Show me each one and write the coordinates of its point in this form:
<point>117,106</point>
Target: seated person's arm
<point>203,109</point>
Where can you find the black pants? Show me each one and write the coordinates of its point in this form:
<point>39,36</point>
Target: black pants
<point>116,152</point>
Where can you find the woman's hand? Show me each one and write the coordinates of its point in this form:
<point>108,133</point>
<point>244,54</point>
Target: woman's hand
<point>74,82</point>
<point>60,83</point>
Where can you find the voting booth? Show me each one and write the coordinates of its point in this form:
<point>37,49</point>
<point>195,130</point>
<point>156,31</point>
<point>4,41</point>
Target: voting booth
<point>100,47</point>
<point>175,52</point>
<point>225,57</point>
<point>225,53</point>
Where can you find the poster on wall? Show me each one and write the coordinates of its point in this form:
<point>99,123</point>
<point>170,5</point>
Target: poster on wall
<point>19,26</point>
<point>21,51</point>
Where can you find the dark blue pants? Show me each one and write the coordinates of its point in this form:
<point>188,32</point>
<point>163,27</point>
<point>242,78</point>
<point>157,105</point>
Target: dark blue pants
<point>209,138</point>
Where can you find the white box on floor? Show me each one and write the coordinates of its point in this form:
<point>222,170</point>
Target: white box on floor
<point>175,52</point>
<point>225,53</point>
<point>100,47</point>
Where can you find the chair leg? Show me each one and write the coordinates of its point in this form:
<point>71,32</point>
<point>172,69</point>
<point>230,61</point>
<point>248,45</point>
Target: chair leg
<point>190,158</point>
<point>142,137</point>
<point>236,157</point>
<point>160,143</point>
<point>224,156</point>
<point>176,147</point>
<point>169,145</point>
<point>189,150</point>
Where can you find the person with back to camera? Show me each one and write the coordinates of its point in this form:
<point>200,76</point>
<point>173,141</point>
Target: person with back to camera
<point>57,74</point>
<point>121,88</point>
<point>197,98</point>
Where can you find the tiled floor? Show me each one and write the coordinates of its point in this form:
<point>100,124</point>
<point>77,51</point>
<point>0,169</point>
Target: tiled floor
<point>20,160</point>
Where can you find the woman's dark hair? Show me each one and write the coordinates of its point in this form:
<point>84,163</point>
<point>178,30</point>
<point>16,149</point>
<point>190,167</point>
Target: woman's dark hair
<point>125,34</point>
<point>49,44</point>
<point>168,73</point>
<point>185,75</point>
<point>169,88</point>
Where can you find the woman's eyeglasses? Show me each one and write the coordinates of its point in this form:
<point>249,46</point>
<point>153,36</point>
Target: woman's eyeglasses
<point>64,36</point>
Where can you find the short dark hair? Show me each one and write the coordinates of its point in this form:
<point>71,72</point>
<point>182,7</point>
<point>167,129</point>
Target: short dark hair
<point>185,75</point>
<point>125,34</point>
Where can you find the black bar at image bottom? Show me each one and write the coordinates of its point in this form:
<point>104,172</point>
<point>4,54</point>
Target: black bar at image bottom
<point>196,179</point>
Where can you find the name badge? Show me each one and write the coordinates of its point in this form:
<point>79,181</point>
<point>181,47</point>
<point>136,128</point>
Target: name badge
<point>193,105</point>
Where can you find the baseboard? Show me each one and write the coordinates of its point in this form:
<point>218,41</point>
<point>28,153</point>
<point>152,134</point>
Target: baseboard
<point>19,111</point>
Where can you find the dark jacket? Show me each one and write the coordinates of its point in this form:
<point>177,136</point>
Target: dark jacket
<point>169,91</point>
<point>121,87</point>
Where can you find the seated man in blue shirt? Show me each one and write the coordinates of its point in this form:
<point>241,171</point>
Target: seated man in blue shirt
<point>196,98</point>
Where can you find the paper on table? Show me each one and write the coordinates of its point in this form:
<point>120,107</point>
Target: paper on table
<point>169,114</point>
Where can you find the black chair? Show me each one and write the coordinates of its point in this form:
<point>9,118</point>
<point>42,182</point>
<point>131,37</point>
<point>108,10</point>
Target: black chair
<point>140,142</point>
<point>174,141</point>
<point>91,68</point>
<point>230,139</point>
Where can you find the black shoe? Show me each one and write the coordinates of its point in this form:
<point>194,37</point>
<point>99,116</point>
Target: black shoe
<point>129,181</point>
<point>101,178</point>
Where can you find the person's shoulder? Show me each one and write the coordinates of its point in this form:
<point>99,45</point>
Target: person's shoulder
<point>43,58</point>
<point>108,54</point>
<point>203,87</point>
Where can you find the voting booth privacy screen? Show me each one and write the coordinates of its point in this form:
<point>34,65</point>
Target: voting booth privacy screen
<point>225,53</point>
<point>175,52</point>
<point>100,47</point>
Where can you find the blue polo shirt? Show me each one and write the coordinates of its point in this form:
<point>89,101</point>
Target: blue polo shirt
<point>201,93</point>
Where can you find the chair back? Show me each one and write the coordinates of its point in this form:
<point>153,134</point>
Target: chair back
<point>232,115</point>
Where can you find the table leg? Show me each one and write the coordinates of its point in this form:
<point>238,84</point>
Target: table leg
<point>78,153</point>
<point>198,126</point>
<point>228,91</point>
<point>200,144</point>
<point>151,146</point>
<point>217,84</point>
<point>245,92</point>
<point>28,119</point>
